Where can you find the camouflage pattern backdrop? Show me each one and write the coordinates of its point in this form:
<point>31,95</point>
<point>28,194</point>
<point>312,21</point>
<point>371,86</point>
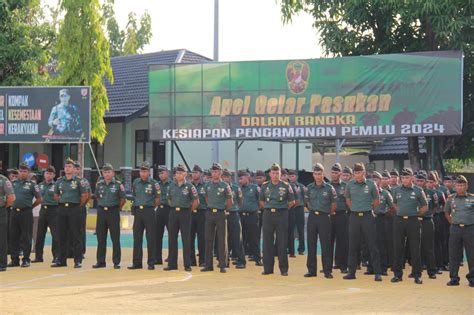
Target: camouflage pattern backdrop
<point>368,96</point>
<point>45,114</point>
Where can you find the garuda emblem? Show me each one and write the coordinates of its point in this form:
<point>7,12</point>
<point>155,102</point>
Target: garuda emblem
<point>297,75</point>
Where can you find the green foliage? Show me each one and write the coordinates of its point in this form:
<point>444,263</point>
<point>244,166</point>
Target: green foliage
<point>25,43</point>
<point>133,39</point>
<point>454,165</point>
<point>362,27</point>
<point>83,56</point>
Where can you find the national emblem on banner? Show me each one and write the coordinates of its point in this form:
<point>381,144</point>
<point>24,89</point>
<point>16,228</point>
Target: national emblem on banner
<point>297,74</point>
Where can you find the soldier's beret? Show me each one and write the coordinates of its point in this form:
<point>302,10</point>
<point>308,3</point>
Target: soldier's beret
<point>197,168</point>
<point>359,167</point>
<point>448,177</point>
<point>180,168</point>
<point>69,161</point>
<point>242,173</point>
<point>145,166</point>
<point>107,167</point>
<point>432,176</point>
<point>461,179</point>
<point>50,169</point>
<point>24,166</point>
<point>394,172</point>
<point>421,175</point>
<point>376,174</point>
<point>77,164</point>
<point>275,167</point>
<point>13,171</point>
<point>386,174</point>
<point>284,171</point>
<point>318,167</point>
<point>216,166</point>
<point>336,167</point>
<point>226,172</point>
<point>162,168</point>
<point>406,172</point>
<point>292,172</point>
<point>347,170</point>
<point>260,173</point>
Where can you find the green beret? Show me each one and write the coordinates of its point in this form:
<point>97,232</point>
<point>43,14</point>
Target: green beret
<point>318,167</point>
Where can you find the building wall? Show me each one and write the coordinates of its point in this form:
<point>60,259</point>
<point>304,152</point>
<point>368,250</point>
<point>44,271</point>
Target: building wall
<point>328,159</point>
<point>113,145</point>
<point>252,154</point>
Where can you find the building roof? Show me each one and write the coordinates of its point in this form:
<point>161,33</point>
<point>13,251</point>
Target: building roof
<point>128,96</point>
<point>394,149</point>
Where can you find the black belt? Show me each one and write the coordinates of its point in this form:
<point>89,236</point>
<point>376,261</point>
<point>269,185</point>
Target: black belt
<point>69,204</point>
<point>215,210</point>
<point>361,213</point>
<point>317,212</point>
<point>20,209</point>
<point>143,207</point>
<point>247,213</point>
<point>406,217</point>
<point>107,208</point>
<point>49,206</point>
<point>274,210</point>
<point>163,206</point>
<point>198,210</point>
<point>461,225</point>
<point>178,209</point>
<point>425,219</point>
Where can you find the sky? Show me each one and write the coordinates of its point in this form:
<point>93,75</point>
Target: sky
<point>248,29</point>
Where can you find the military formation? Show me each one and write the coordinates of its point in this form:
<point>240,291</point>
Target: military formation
<point>384,221</point>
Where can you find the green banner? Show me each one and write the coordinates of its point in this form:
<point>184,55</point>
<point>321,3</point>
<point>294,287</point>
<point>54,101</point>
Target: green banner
<point>413,94</point>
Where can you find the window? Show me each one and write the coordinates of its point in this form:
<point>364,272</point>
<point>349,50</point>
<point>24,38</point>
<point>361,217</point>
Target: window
<point>143,147</point>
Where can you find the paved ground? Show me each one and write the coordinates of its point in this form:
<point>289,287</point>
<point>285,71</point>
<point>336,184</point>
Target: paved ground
<point>42,289</point>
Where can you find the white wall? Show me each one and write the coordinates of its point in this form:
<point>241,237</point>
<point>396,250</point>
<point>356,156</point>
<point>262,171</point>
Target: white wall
<point>252,154</point>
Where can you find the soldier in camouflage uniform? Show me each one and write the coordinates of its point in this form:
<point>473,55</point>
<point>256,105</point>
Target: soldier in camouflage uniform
<point>64,118</point>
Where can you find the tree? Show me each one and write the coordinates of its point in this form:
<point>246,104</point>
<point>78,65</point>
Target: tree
<point>362,27</point>
<point>133,39</point>
<point>26,42</point>
<point>83,57</point>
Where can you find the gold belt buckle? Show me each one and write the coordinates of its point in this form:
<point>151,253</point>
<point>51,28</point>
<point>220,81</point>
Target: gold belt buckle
<point>316,212</point>
<point>461,225</point>
<point>66,204</point>
<point>161,206</point>
<point>178,209</point>
<point>360,214</point>
<point>46,207</point>
<point>273,210</point>
<point>106,208</point>
<point>405,217</point>
<point>141,207</point>
<point>18,209</point>
<point>214,210</point>
<point>195,211</point>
